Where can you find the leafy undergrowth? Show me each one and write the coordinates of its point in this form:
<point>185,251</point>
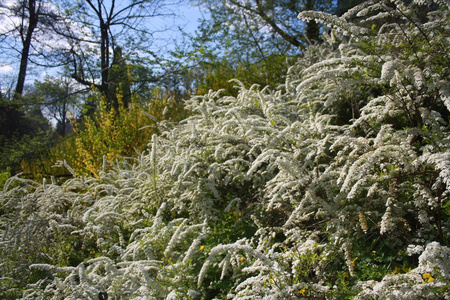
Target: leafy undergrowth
<point>333,186</point>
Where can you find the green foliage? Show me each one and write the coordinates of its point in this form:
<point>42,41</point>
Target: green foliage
<point>24,133</point>
<point>217,75</point>
<point>4,176</point>
<point>255,29</point>
<point>252,41</point>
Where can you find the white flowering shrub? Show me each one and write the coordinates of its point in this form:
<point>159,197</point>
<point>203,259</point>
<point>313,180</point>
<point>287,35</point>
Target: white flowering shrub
<point>335,185</point>
<point>91,235</point>
<point>430,279</point>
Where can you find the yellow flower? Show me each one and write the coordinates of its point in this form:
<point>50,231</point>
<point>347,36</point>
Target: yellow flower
<point>353,261</point>
<point>303,291</point>
<point>202,247</point>
<point>242,259</point>
<point>427,276</point>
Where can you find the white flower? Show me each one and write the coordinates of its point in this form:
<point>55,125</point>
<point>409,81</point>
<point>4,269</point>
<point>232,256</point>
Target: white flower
<point>414,249</point>
<point>388,70</point>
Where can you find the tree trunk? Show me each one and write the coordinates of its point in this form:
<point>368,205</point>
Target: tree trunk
<point>104,56</point>
<point>26,42</point>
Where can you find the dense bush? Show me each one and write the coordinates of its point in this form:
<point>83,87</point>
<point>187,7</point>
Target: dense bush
<point>24,133</point>
<point>109,135</point>
<point>335,185</point>
<point>105,136</point>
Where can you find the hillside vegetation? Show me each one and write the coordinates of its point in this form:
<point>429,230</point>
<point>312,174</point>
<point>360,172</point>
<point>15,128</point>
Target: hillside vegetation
<point>335,185</point>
